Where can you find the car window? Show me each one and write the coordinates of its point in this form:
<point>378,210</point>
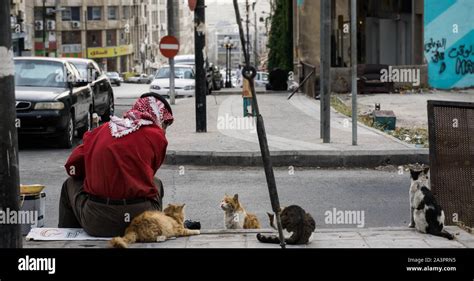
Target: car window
<point>40,73</point>
<point>179,72</point>
<point>83,69</point>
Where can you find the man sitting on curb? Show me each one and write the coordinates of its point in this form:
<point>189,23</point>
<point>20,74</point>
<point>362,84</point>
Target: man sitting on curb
<point>112,172</point>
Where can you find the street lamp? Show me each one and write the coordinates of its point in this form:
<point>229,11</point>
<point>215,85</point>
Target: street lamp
<point>228,45</point>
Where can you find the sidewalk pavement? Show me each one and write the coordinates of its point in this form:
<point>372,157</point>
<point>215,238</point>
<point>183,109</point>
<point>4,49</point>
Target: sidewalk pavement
<point>293,132</point>
<point>400,237</point>
<point>409,108</point>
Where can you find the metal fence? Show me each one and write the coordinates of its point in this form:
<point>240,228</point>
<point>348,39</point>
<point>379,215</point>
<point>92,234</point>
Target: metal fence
<point>451,136</point>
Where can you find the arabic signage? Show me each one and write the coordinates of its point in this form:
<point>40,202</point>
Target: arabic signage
<point>110,52</point>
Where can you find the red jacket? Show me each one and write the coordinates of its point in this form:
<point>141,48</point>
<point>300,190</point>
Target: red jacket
<point>119,168</point>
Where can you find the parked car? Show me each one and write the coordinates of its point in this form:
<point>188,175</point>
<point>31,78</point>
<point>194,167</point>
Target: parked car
<point>212,82</point>
<point>103,99</point>
<point>261,80</point>
<point>140,79</point>
<point>52,99</point>
<point>184,81</point>
<point>114,78</point>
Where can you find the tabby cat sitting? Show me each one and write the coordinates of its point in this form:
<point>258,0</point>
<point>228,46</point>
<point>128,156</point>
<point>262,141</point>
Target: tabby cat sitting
<point>295,221</point>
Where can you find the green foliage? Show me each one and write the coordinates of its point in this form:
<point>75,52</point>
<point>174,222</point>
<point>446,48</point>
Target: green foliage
<point>281,37</point>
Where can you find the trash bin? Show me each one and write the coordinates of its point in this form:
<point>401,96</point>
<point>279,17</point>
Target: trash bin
<point>278,80</point>
<point>32,208</point>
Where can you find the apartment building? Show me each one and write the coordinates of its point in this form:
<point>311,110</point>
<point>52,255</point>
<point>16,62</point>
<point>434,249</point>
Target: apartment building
<point>22,32</point>
<point>121,35</point>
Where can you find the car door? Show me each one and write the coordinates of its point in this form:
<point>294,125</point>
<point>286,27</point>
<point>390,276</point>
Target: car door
<point>81,97</point>
<point>102,89</point>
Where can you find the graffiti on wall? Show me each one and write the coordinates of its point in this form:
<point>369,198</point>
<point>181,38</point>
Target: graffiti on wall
<point>462,56</point>
<point>449,43</point>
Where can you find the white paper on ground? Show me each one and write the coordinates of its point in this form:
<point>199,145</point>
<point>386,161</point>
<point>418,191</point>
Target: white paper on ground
<point>61,234</point>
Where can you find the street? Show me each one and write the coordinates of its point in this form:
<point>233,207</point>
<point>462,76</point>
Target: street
<point>382,194</point>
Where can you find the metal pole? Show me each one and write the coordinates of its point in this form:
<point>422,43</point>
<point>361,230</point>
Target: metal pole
<point>256,40</point>
<point>413,38</point>
<point>85,29</point>
<point>199,51</point>
<point>171,32</point>
<point>230,65</point>
<point>44,28</point>
<point>262,136</point>
<point>10,234</point>
<point>354,69</point>
<point>248,29</point>
<point>325,78</point>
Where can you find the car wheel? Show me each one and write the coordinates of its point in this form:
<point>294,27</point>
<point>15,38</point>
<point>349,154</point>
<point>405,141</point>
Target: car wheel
<point>110,109</point>
<point>87,127</point>
<point>67,138</point>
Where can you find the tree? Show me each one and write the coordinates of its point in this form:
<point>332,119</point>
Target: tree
<point>281,37</point>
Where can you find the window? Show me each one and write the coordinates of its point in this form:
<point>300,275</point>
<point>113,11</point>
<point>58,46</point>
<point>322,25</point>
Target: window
<point>111,37</point>
<point>71,37</point>
<point>94,13</point>
<point>71,14</point>
<point>126,12</point>
<point>94,38</point>
<point>113,12</point>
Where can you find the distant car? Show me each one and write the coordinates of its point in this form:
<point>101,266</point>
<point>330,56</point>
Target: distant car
<point>184,81</point>
<point>261,80</point>
<point>52,99</point>
<point>114,78</point>
<point>212,75</point>
<point>103,99</point>
<point>140,79</point>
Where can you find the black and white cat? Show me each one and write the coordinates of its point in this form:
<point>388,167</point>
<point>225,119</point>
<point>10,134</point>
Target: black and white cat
<point>298,224</point>
<point>427,216</point>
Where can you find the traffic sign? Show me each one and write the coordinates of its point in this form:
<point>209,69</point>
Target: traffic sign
<point>169,46</point>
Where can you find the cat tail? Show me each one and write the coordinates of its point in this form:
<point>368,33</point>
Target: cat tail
<point>272,239</point>
<point>445,234</point>
<point>123,242</point>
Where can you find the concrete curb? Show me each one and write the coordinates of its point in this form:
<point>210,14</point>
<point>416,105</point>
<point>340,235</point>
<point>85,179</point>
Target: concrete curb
<point>326,159</point>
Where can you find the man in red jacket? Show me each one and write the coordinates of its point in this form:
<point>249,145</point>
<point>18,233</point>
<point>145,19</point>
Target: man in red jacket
<point>112,172</point>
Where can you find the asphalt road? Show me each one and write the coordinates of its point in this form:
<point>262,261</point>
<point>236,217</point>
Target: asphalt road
<point>381,194</point>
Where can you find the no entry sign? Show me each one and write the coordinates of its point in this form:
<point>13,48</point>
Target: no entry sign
<point>169,46</point>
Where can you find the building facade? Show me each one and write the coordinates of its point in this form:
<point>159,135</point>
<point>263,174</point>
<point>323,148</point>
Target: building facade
<point>22,31</point>
<point>449,43</point>
<point>433,36</point>
<point>389,32</point>
<point>121,35</point>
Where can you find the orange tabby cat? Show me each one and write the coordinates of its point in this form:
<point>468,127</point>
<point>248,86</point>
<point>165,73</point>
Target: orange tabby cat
<point>235,216</point>
<point>155,226</point>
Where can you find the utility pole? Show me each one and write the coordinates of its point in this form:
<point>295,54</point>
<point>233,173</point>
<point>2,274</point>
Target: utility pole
<point>325,78</point>
<point>256,38</point>
<point>354,69</point>
<point>44,28</point>
<point>247,6</point>
<point>10,234</point>
<point>199,49</point>
<point>85,29</point>
<point>171,32</point>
